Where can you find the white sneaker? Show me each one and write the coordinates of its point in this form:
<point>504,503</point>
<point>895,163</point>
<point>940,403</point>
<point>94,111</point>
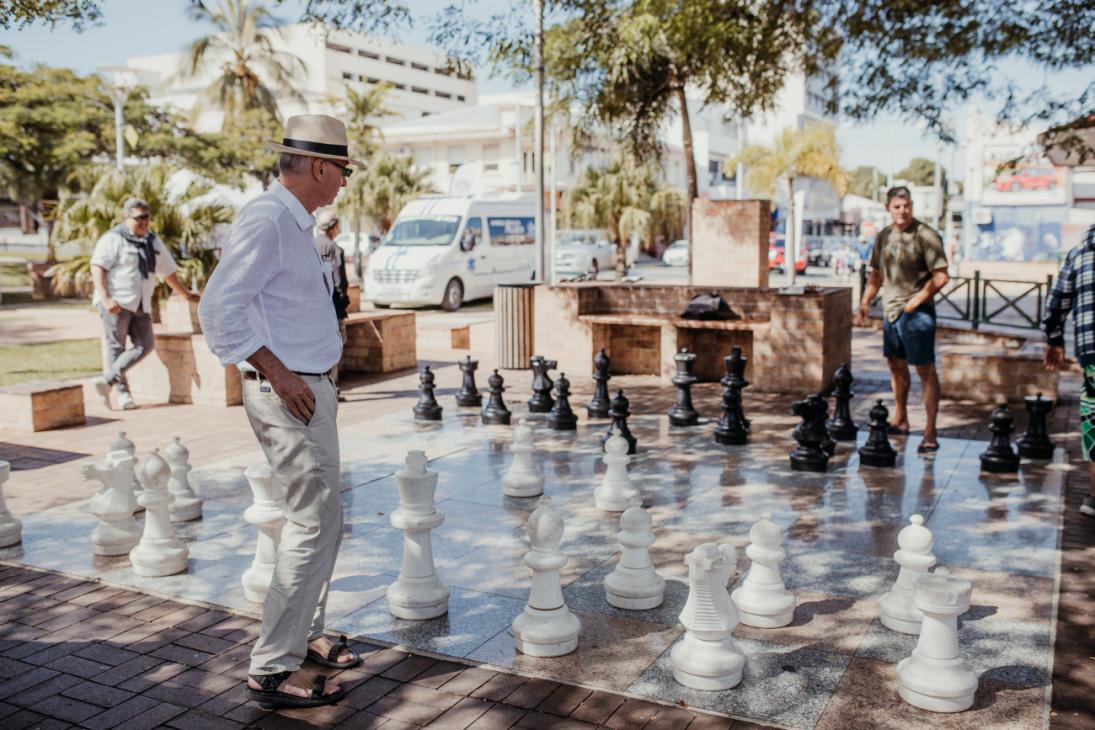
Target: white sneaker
<point>126,402</point>
<point>102,388</point>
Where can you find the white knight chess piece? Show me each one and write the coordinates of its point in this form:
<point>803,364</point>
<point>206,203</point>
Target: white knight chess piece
<point>707,657</point>
<point>159,552</point>
<point>186,505</point>
<point>523,478</point>
<point>116,533</point>
<point>546,628</point>
<point>267,514</point>
<point>634,584</point>
<point>914,555</point>
<point>616,492</point>
<point>418,593</point>
<point>11,529</point>
<point>762,599</point>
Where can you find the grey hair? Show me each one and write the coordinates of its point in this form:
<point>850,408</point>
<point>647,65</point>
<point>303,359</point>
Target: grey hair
<point>292,164</point>
<point>899,191</point>
<point>132,204</point>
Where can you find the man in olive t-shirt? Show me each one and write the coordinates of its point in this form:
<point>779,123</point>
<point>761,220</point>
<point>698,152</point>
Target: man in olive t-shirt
<point>909,264</point>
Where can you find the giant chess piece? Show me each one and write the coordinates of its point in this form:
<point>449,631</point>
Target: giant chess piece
<point>810,435</point>
<point>523,479</point>
<point>842,427</point>
<point>877,451</point>
<point>730,430</point>
<point>541,400</point>
<point>914,555</point>
<point>1035,443</point>
<point>762,600</point>
<point>828,445</point>
<point>427,408</point>
<point>468,395</point>
<point>267,513</point>
<point>935,677</point>
<point>634,585</point>
<point>121,443</point>
<point>418,592</point>
<point>616,492</point>
<point>683,413</point>
<point>159,552</point>
<point>999,457</point>
<point>546,628</point>
<point>620,411</point>
<point>185,505</point>
<point>599,404</point>
<point>116,533</point>
<point>11,529</point>
<point>562,418</point>
<point>707,657</point>
<point>495,412</point>
<point>735,380</point>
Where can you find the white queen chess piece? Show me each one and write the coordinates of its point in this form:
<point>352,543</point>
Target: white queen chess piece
<point>186,505</point>
<point>121,443</point>
<point>116,533</point>
<point>936,677</point>
<point>11,529</point>
<point>159,552</point>
<point>616,492</point>
<point>417,593</point>
<point>523,478</point>
<point>707,657</point>
<point>546,628</point>
<point>914,555</point>
<point>634,584</point>
<point>267,514</point>
<point>762,599</point>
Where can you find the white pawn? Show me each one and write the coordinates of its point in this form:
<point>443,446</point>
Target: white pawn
<point>523,478</point>
<point>11,529</point>
<point>762,599</point>
<point>186,505</point>
<point>267,514</point>
<point>159,552</point>
<point>116,532</point>
<point>123,444</point>
<point>634,584</point>
<point>616,492</point>
<point>899,611</point>
<point>418,593</point>
<point>935,677</point>
<point>707,657</point>
<point>546,628</point>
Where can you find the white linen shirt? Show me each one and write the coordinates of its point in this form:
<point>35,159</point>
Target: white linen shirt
<point>272,289</point>
<point>123,274</point>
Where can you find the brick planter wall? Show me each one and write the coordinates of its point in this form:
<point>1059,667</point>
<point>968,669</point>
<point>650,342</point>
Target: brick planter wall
<point>182,370</point>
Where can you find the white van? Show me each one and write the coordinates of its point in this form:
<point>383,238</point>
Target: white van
<point>445,250</point>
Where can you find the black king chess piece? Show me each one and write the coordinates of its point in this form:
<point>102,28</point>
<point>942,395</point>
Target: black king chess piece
<point>599,403</point>
<point>495,412</point>
<point>427,408</point>
<point>842,427</point>
<point>810,433</point>
<point>541,400</point>
<point>999,457</point>
<point>877,451</point>
<point>735,378</point>
<point>469,396</point>
<point>730,430</point>
<point>562,418</point>
<point>1035,443</point>
<point>619,411</point>
<point>683,413</point>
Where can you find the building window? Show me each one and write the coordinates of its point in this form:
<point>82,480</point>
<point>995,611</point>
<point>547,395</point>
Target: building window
<point>454,155</point>
<point>443,94</point>
<point>419,67</point>
<point>420,90</point>
<point>372,80</point>
<point>528,162</point>
<point>369,54</point>
<point>395,61</point>
<point>490,158</point>
<point>338,48</point>
<point>347,76</point>
<point>401,87</point>
<point>460,98</point>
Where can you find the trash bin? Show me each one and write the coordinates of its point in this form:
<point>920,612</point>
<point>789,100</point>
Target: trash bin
<point>513,325</point>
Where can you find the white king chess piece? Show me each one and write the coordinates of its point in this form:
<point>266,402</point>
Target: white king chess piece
<point>546,628</point>
<point>936,677</point>
<point>616,492</point>
<point>762,599</point>
<point>186,505</point>
<point>11,529</point>
<point>159,552</point>
<point>634,585</point>
<point>117,532</point>
<point>914,555</point>
<point>123,444</point>
<point>707,657</point>
<point>418,593</point>
<point>267,514</point>
<point>523,478</point>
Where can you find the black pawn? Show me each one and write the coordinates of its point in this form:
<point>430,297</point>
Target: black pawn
<point>619,411</point>
<point>842,427</point>
<point>877,451</point>
<point>683,413</point>
<point>427,408</point>
<point>469,396</point>
<point>598,405</point>
<point>730,430</point>
<point>562,418</point>
<point>999,457</point>
<point>1035,443</point>
<point>810,434</point>
<point>735,378</point>
<point>541,400</point>
<point>495,412</point>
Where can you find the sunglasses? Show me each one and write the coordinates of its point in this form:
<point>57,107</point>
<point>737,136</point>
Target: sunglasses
<point>346,171</point>
<point>142,217</point>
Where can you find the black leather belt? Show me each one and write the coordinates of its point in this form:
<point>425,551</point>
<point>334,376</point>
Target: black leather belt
<point>256,375</point>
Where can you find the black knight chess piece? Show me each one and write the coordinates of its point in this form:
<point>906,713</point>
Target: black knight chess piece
<point>619,411</point>
<point>730,431</point>
<point>599,404</point>
<point>842,427</point>
<point>1035,443</point>
<point>541,400</point>
<point>735,378</point>
<point>999,457</point>
<point>828,445</point>
<point>562,418</point>
<point>810,434</point>
<point>468,396</point>
<point>877,451</point>
<point>495,412</point>
<point>427,408</point>
<point>683,413</point>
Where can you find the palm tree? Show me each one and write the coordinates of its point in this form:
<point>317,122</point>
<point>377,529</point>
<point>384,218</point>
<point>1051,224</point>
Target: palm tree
<point>812,152</point>
<point>381,189</point>
<point>363,108</point>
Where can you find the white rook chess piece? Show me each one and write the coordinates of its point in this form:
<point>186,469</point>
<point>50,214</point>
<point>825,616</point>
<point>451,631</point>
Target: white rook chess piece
<point>634,585</point>
<point>267,514</point>
<point>11,529</point>
<point>762,599</point>
<point>523,478</point>
<point>936,677</point>
<point>117,532</point>
<point>123,444</point>
<point>159,552</point>
<point>914,555</point>
<point>707,657</point>
<point>418,593</point>
<point>186,505</point>
<point>546,628</point>
<point>616,492</point>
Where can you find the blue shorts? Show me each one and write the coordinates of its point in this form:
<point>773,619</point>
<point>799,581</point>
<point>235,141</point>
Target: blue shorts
<point>911,337</point>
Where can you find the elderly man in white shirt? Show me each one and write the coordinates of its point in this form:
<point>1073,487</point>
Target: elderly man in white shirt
<point>124,266</point>
<point>268,308</point>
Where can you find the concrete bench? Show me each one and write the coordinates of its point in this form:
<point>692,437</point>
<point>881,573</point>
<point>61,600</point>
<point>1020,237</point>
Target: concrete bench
<point>41,405</point>
<point>379,342</point>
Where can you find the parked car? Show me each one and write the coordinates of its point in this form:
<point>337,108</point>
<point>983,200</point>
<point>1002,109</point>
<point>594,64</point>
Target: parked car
<point>676,254</point>
<point>776,262</point>
<point>1029,178</point>
<point>584,251</point>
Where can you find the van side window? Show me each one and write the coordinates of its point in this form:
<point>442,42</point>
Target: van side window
<point>473,234</point>
<point>512,231</point>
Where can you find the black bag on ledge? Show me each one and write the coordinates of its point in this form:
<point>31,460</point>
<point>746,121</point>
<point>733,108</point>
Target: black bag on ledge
<point>708,306</point>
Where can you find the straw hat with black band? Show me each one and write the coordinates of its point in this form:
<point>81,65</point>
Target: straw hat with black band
<point>315,135</point>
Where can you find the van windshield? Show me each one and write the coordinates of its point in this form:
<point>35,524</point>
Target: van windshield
<point>428,230</point>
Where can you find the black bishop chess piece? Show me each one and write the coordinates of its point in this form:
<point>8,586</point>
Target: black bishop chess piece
<point>599,404</point>
<point>562,418</point>
<point>1035,443</point>
<point>730,431</point>
<point>810,434</point>
<point>735,379</point>
<point>878,451</point>
<point>427,408</point>
<point>619,411</point>
<point>999,457</point>
<point>468,396</point>
<point>842,427</point>
<point>541,400</point>
<point>683,413</point>
<point>495,412</point>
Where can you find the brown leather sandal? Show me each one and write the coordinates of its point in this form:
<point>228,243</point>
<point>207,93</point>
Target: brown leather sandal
<point>269,698</point>
<point>331,660</point>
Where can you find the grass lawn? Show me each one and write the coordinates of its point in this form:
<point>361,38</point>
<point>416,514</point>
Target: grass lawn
<point>49,361</point>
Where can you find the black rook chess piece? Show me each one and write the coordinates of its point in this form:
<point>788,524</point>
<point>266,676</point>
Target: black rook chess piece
<point>735,378</point>
<point>562,418</point>
<point>619,411</point>
<point>427,408</point>
<point>730,430</point>
<point>599,404</point>
<point>810,433</point>
<point>495,412</point>
<point>877,451</point>
<point>541,400</point>
<point>842,427</point>
<point>469,396</point>
<point>683,413</point>
<point>1035,443</point>
<point>999,456</point>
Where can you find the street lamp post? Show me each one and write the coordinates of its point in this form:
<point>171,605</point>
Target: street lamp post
<point>122,79</point>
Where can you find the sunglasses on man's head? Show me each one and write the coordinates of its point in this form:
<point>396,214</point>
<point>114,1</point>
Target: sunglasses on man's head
<point>141,217</point>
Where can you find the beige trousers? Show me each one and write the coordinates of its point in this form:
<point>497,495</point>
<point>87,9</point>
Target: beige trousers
<point>305,458</point>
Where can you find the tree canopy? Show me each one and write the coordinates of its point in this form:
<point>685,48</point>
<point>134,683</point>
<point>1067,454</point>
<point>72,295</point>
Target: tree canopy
<point>21,13</point>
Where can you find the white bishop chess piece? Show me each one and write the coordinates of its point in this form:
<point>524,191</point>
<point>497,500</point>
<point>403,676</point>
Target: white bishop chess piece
<point>159,552</point>
<point>418,593</point>
<point>914,555</point>
<point>186,505</point>
<point>762,599</point>
<point>267,514</point>
<point>634,585</point>
<point>117,532</point>
<point>707,657</point>
<point>11,529</point>
<point>546,628</point>
<point>616,492</point>
<point>123,444</point>
<point>936,677</point>
<point>523,478</point>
